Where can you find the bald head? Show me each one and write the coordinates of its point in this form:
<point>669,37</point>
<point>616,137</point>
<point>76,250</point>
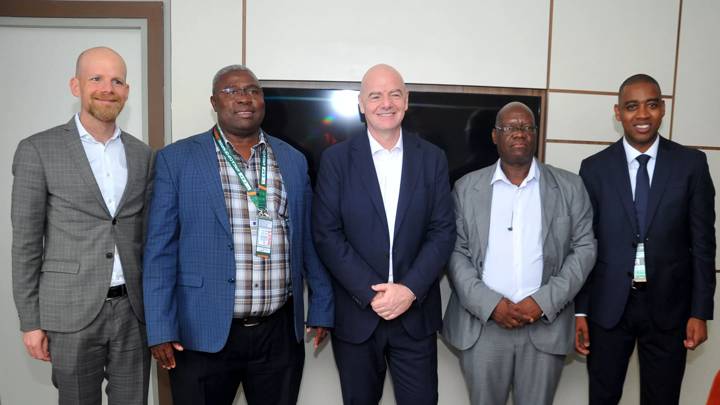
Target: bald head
<point>381,72</point>
<point>383,99</point>
<point>99,82</point>
<point>100,53</point>
<point>515,135</point>
<point>514,106</point>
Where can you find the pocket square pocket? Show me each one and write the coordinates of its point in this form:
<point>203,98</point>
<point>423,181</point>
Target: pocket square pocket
<point>54,266</point>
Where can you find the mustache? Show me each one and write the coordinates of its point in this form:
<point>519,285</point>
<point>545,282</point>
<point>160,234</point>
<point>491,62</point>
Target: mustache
<point>105,96</point>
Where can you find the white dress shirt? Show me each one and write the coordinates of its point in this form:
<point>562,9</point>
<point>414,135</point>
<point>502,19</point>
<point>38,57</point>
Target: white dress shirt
<point>633,165</point>
<point>514,257</point>
<point>388,167</point>
<point>109,166</point>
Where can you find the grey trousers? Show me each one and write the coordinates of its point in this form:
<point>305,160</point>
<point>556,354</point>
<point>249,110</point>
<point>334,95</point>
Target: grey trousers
<point>504,360</point>
<point>112,347</point>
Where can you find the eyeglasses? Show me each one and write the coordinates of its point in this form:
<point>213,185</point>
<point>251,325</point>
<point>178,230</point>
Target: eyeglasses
<point>252,91</point>
<point>525,129</point>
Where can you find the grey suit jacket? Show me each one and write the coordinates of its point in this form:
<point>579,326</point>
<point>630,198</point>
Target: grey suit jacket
<point>569,251</point>
<point>64,235</point>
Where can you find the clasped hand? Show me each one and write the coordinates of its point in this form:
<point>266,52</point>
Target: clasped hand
<point>391,300</point>
<point>509,315</point>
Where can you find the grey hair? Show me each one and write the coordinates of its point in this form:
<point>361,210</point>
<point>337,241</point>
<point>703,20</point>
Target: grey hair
<point>231,68</point>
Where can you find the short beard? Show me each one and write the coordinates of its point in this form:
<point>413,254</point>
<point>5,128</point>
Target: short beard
<point>106,112</point>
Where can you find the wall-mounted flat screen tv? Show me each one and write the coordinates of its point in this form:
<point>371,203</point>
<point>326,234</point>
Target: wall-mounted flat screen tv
<point>459,123</point>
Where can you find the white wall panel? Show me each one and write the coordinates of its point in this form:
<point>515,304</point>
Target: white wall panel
<point>714,163</point>
<point>589,117</point>
<point>698,80</point>
<point>597,44</point>
<point>569,156</point>
<point>205,37</point>
<point>472,42</point>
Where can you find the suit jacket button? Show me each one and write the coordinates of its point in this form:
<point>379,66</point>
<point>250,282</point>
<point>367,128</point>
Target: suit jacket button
<point>109,255</point>
<point>231,280</point>
<point>114,221</point>
<point>634,244</point>
<point>630,274</point>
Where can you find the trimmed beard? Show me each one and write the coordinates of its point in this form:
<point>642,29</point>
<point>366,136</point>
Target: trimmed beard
<point>106,112</point>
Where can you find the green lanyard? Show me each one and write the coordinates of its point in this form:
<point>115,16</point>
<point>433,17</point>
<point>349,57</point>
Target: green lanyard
<point>259,197</point>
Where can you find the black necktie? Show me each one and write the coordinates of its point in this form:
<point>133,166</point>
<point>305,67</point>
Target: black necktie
<point>642,190</point>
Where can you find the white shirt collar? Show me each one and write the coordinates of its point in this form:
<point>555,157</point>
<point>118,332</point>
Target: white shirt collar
<point>499,175</point>
<point>84,134</point>
<point>376,147</point>
<point>631,153</point>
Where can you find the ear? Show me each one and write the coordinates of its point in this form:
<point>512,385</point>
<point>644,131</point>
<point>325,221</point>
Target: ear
<point>212,101</point>
<point>494,136</point>
<point>75,86</point>
<point>617,112</point>
<point>360,104</point>
<point>407,100</point>
<point>662,108</point>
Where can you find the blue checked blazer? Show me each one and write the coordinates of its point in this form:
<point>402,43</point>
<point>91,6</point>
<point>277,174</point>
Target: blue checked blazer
<point>189,263</point>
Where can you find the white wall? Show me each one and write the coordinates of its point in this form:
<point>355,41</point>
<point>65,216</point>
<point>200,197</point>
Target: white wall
<point>480,42</point>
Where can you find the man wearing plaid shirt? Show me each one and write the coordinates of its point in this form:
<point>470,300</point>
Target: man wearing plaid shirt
<point>228,250</point>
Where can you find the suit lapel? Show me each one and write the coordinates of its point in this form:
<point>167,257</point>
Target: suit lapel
<point>548,200</point>
<point>79,158</point>
<point>412,156</point>
<point>364,168</point>
<point>618,168</point>
<point>661,174</point>
<point>290,178</point>
<point>207,163</point>
<point>132,156</point>
<point>483,192</point>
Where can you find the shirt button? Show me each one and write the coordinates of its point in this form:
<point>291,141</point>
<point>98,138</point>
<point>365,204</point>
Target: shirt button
<point>109,255</point>
<point>257,285</point>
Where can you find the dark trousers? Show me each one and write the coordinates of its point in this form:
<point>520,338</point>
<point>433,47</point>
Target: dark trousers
<point>661,354</point>
<point>412,362</point>
<point>266,359</point>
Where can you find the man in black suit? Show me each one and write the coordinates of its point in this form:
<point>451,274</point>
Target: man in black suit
<point>654,279</point>
<point>383,225</point>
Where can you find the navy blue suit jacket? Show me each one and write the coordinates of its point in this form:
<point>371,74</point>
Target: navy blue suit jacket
<point>189,271</point>
<point>351,233</point>
<point>679,244</point>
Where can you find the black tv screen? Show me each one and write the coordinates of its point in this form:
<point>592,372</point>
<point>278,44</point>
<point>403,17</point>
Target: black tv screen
<point>459,123</point>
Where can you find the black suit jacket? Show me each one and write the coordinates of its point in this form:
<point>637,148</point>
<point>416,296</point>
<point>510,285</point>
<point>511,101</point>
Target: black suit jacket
<point>351,233</point>
<point>679,243</point>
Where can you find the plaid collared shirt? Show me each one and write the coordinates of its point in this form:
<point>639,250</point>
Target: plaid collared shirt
<point>262,285</point>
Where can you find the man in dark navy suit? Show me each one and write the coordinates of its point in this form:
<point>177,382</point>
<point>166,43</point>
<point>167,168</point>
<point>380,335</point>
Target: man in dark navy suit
<point>383,225</point>
<point>654,279</point>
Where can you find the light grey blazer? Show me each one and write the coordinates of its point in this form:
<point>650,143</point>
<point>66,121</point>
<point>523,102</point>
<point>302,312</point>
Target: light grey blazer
<point>569,250</point>
<point>64,235</point>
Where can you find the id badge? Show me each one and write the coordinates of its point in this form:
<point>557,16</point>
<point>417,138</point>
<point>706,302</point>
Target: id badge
<point>264,236</point>
<point>639,268</point>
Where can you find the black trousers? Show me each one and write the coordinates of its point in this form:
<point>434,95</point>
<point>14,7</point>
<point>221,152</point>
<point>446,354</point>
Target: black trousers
<point>661,354</point>
<point>412,363</point>
<point>266,359</point>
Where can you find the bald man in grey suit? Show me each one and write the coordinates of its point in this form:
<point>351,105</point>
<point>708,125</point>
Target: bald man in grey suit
<point>78,201</point>
<point>524,247</point>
